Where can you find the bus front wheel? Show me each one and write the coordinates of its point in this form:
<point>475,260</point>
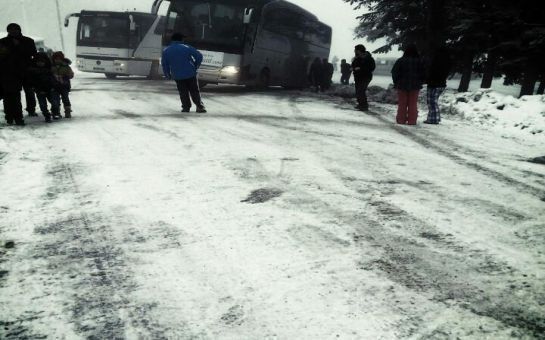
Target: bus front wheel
<point>110,75</point>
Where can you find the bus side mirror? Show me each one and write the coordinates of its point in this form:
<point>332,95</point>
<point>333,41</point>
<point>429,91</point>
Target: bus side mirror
<point>248,15</point>
<point>67,18</point>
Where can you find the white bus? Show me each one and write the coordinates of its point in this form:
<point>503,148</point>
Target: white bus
<point>118,43</point>
<point>250,42</point>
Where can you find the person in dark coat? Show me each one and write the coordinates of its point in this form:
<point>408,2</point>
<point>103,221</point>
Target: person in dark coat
<point>327,75</point>
<point>181,62</point>
<point>363,66</point>
<point>42,81</point>
<point>408,76</point>
<point>316,74</point>
<point>438,72</point>
<point>16,53</point>
<point>346,72</point>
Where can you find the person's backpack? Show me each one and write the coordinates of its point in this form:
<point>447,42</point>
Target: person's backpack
<point>372,64</point>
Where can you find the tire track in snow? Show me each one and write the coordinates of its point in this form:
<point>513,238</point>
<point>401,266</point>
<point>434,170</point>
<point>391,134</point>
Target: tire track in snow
<point>86,262</point>
<point>431,262</point>
<point>538,192</point>
<point>425,261</point>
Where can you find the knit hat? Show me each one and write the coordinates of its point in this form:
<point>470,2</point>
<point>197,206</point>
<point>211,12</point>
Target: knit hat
<point>57,55</point>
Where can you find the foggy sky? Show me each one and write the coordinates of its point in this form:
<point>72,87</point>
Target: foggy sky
<point>39,18</point>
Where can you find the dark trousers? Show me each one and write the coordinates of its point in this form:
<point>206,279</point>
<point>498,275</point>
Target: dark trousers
<point>345,79</point>
<point>13,109</point>
<point>30,98</point>
<point>58,95</point>
<point>189,88</point>
<point>361,92</point>
<point>43,98</point>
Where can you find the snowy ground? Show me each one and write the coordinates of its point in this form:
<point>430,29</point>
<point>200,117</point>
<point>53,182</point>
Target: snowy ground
<point>277,215</point>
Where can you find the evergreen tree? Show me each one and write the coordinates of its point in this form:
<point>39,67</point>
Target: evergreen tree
<point>492,37</point>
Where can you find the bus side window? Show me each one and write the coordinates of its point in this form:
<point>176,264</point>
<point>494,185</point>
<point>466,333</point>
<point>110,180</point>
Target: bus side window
<point>85,32</point>
<point>172,16</point>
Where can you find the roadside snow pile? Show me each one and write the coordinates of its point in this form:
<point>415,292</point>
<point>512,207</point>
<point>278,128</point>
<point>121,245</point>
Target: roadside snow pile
<point>492,109</point>
<point>375,94</point>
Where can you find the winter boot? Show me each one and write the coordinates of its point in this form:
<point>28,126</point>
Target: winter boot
<point>47,117</point>
<point>68,112</point>
<point>201,109</point>
<point>31,112</point>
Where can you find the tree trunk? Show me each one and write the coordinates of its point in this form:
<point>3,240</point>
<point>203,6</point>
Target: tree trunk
<point>435,25</point>
<point>467,70</point>
<point>529,80</point>
<point>489,70</point>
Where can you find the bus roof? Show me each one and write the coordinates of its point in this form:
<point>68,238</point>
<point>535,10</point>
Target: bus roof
<point>113,13</point>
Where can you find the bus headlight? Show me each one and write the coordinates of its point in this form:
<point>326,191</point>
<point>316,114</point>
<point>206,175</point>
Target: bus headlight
<point>230,70</point>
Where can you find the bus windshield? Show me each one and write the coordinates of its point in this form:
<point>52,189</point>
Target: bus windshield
<point>208,25</point>
<point>104,31</point>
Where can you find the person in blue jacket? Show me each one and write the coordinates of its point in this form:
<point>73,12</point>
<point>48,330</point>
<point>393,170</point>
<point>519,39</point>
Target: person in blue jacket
<point>181,62</point>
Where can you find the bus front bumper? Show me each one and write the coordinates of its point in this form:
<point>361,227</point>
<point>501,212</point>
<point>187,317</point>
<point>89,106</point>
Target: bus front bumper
<point>102,66</point>
<point>224,75</point>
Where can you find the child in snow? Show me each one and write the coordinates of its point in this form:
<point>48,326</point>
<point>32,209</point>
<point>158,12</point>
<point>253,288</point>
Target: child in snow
<point>62,73</point>
<point>41,78</point>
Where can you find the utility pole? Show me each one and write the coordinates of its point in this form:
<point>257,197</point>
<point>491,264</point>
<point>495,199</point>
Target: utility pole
<point>59,19</point>
<point>23,9</point>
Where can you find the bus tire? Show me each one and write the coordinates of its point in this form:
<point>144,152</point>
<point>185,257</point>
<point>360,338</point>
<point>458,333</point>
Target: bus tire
<point>264,80</point>
<point>154,71</point>
<point>110,75</point>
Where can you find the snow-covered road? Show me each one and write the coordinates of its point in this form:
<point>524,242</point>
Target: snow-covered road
<point>276,215</point>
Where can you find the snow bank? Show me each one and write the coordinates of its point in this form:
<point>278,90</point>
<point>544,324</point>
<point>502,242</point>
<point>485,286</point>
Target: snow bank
<point>485,107</point>
<point>492,109</point>
<point>375,94</point>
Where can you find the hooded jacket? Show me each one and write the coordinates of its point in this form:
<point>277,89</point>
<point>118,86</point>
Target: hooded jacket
<point>41,76</point>
<point>408,74</point>
<point>363,66</point>
<point>62,73</point>
<point>180,61</point>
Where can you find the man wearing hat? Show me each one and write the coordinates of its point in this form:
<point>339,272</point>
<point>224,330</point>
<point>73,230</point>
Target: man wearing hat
<point>16,53</point>
<point>181,62</point>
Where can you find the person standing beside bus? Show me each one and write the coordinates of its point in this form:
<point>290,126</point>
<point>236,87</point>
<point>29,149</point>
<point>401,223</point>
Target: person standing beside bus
<point>363,66</point>
<point>327,79</point>
<point>180,63</point>
<point>316,74</point>
<point>346,72</point>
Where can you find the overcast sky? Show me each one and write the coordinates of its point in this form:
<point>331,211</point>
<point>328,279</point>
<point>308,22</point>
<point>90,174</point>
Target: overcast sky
<point>39,18</point>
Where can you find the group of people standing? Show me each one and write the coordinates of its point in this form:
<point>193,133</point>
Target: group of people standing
<point>409,74</point>
<point>42,76</point>
<point>321,74</point>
